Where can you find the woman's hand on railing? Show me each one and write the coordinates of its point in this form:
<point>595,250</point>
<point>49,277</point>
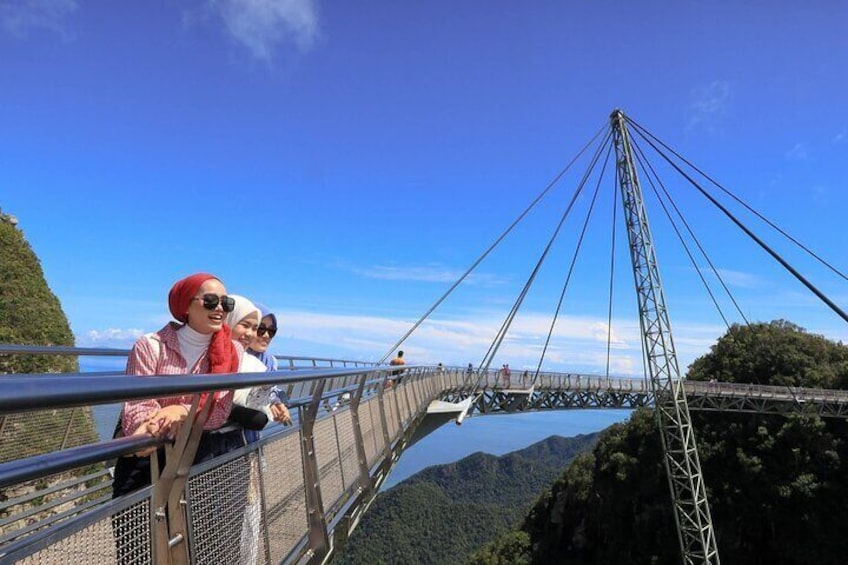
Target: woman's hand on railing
<point>281,414</point>
<point>164,423</point>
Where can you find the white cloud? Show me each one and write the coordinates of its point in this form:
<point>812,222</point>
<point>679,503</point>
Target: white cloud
<point>798,151</point>
<point>708,103</point>
<point>19,17</point>
<point>840,137</point>
<point>112,337</point>
<point>737,278</point>
<point>264,25</point>
<point>426,273</point>
<point>579,344</point>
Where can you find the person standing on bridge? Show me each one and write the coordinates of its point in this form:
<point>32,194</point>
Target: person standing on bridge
<point>259,348</point>
<point>199,342</point>
<point>244,320</point>
<point>397,362</point>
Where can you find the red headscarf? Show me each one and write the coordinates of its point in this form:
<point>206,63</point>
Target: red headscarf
<point>223,357</point>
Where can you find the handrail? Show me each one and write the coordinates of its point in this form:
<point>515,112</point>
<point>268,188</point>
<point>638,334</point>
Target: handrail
<point>37,466</point>
<point>10,349</point>
<point>22,393</point>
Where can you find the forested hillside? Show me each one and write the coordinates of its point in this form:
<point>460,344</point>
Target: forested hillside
<point>31,314</point>
<point>445,512</point>
<point>778,486</point>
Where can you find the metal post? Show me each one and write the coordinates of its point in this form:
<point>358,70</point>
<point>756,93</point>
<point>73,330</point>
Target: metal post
<point>68,427</point>
<point>381,400</point>
<point>365,483</point>
<point>319,541</point>
<point>688,491</point>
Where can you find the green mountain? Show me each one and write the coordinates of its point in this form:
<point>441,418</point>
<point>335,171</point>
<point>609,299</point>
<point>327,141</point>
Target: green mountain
<point>777,486</point>
<point>445,512</point>
<point>30,314</point>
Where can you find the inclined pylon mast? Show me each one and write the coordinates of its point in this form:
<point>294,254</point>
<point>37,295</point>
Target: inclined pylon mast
<point>691,508</point>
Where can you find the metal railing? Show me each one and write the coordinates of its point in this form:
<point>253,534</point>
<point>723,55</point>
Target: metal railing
<point>290,490</point>
<point>293,495</point>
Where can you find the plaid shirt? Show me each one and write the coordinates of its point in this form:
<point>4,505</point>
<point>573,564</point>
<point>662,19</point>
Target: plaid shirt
<point>158,353</point>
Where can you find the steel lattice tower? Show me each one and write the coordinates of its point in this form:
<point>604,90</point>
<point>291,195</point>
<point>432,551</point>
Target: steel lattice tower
<point>691,508</point>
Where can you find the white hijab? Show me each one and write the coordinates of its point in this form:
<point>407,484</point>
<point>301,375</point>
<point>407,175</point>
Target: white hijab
<point>242,310</point>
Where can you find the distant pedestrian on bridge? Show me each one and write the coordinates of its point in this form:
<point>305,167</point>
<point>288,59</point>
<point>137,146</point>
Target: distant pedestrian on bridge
<point>506,374</point>
<point>397,362</point>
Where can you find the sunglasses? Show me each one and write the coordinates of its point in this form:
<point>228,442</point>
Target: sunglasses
<point>263,329</point>
<point>211,301</point>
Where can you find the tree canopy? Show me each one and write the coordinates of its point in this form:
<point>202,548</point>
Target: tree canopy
<point>777,486</point>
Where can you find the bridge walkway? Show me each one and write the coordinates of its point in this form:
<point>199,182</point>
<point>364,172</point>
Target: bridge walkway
<point>296,495</point>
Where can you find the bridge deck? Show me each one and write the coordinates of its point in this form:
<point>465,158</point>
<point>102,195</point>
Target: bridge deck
<point>297,494</point>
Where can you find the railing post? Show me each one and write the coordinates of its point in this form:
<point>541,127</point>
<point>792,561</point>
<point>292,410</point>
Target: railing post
<point>319,542</point>
<point>364,473</point>
<point>381,400</point>
<point>169,529</point>
<point>68,427</point>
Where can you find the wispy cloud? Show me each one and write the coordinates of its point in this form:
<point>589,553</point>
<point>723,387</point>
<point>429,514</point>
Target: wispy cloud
<point>734,278</point>
<point>578,343</point>
<point>425,273</point>
<point>840,137</point>
<point>112,337</point>
<point>262,26</point>
<point>798,151</point>
<point>708,103</point>
<point>19,17</point>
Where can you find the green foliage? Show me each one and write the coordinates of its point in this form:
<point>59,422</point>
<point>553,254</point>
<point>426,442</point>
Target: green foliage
<point>774,353</point>
<point>512,548</point>
<point>30,314</point>
<point>446,512</point>
<point>777,487</point>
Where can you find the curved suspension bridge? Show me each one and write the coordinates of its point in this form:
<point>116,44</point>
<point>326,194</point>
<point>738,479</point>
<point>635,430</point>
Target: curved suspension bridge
<point>295,495</point>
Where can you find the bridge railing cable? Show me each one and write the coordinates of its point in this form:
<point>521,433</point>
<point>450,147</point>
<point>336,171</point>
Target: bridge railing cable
<point>654,180</point>
<point>497,241</point>
<point>645,133</point>
<point>504,329</point>
<point>573,261</point>
<point>776,256</point>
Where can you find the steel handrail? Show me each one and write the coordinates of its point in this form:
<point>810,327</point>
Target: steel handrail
<point>23,393</point>
<point>37,466</point>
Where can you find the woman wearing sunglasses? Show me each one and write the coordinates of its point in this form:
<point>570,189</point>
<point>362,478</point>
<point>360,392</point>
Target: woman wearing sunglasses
<point>244,321</point>
<point>259,348</point>
<point>199,342</point>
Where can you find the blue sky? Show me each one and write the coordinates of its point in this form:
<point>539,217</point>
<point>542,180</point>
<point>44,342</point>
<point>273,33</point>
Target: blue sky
<point>345,162</point>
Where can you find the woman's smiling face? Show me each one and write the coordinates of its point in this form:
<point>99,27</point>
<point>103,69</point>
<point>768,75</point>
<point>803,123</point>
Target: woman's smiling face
<point>244,331</point>
<point>202,320</point>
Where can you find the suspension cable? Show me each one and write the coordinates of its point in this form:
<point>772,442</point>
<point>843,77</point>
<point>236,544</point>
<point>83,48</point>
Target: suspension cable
<point>612,276</point>
<point>571,266</point>
<point>776,256</point>
<point>491,247</point>
<point>646,165</point>
<point>495,346</point>
<point>645,132</point>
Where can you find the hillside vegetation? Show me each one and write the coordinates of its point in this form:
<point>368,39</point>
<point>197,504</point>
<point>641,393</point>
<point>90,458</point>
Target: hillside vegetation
<point>778,486</point>
<point>445,512</point>
<point>30,314</point>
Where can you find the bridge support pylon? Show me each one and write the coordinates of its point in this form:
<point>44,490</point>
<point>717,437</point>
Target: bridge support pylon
<point>683,467</point>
